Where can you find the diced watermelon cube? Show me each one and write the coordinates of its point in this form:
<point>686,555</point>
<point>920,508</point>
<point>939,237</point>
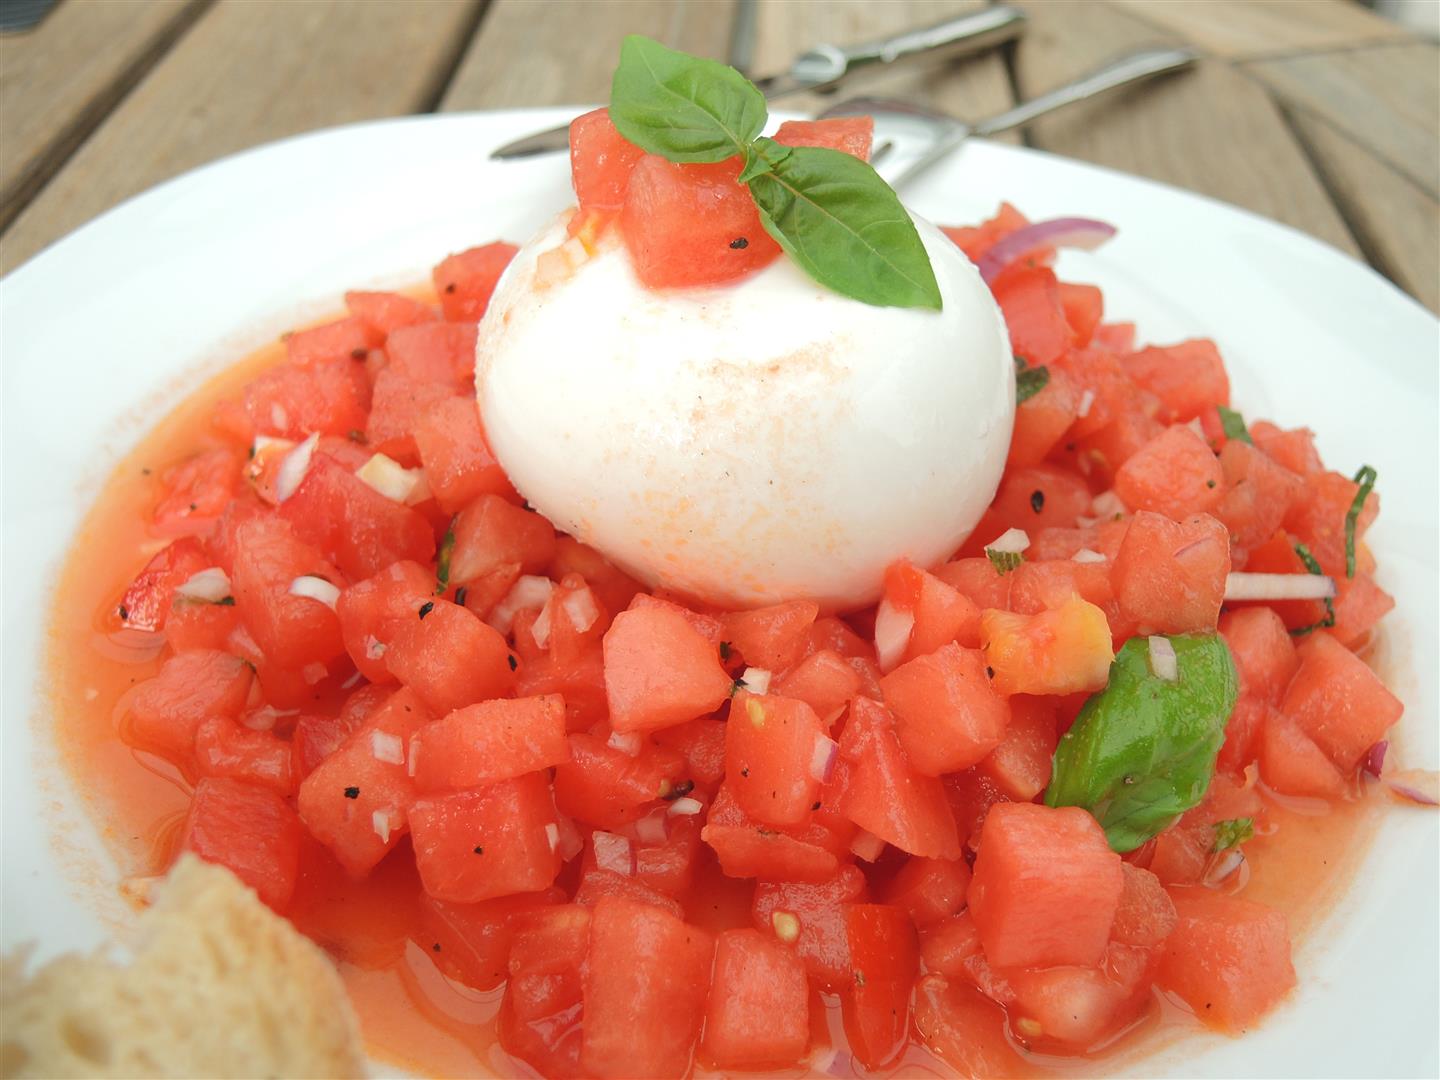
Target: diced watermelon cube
<point>1339,701</point>
<point>1264,652</point>
<point>1174,474</point>
<point>291,401</point>
<point>249,830</point>
<point>849,134</point>
<point>344,339</point>
<point>465,281</point>
<point>597,883</point>
<point>758,1013</point>
<point>1145,915</point>
<point>166,712</point>
<point>1042,419</point>
<point>1188,377</point>
<point>399,408</point>
<point>823,680</point>
<point>494,841</point>
<point>450,658</point>
<point>1076,1008</point>
<point>541,1013</point>
<point>947,715</point>
<point>197,491</point>
<point>373,611</point>
<point>226,748</point>
<point>885,956</point>
<point>1046,886</point>
<point>435,352</point>
<point>770,746</point>
<point>1170,576</point>
<point>492,741</point>
<point>773,638</point>
<point>1258,493</point>
<point>385,312</point>
<point>659,671</point>
<point>492,532</point>
<point>292,631</point>
<point>818,910</point>
<point>606,787</point>
<point>1020,766</point>
<point>471,942</point>
<point>601,160</point>
<point>459,464</point>
<point>928,890</point>
<point>146,603</point>
<point>745,848</point>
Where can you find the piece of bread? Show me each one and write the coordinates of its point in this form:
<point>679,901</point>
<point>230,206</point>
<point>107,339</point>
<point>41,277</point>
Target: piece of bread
<point>220,986</point>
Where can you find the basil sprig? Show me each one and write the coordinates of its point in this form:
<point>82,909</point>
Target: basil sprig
<point>830,211</point>
<point>1366,479</point>
<point>1029,381</point>
<point>1142,750</point>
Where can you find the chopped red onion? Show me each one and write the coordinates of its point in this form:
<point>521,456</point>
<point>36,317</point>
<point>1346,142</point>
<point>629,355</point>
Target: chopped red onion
<point>210,586</point>
<point>1163,661</point>
<point>1085,234</point>
<point>540,629</point>
<point>822,758</point>
<point>1107,505</point>
<point>867,846</point>
<point>381,822</point>
<point>552,835</point>
<point>1244,586</point>
<point>1421,786</point>
<point>1085,555</point>
<point>1087,399</point>
<point>391,479</point>
<point>314,673</point>
<point>1374,759</point>
<point>571,842</point>
<point>613,853</point>
<point>651,828</point>
<point>1011,541</point>
<point>529,592</point>
<point>315,588</point>
<point>412,756</point>
<point>892,633</point>
<point>629,743</point>
<point>756,680</point>
<point>292,470</point>
<point>581,610</point>
<point>387,748</point>
<point>1223,866</point>
<point>685,807</point>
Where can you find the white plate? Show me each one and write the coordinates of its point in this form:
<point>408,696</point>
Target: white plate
<point>115,323</point>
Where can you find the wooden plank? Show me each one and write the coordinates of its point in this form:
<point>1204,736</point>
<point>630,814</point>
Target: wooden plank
<point>58,81</point>
<point>1239,29</point>
<point>1387,99</point>
<point>1211,130</point>
<point>563,52</point>
<point>973,88</point>
<point>1396,222</point>
<point>248,72</point>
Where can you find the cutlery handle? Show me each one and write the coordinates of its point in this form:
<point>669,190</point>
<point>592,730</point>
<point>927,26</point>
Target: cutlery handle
<point>976,32</point>
<point>1133,68</point>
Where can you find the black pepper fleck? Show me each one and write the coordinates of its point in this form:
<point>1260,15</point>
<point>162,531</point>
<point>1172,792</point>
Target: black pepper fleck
<point>739,244</point>
<point>479,850</point>
<point>461,593</point>
<point>426,608</point>
<point>815,805</point>
<point>679,791</point>
<point>435,947</point>
<point>357,354</point>
<point>1209,483</point>
<point>989,672</point>
<point>513,662</point>
<point>124,612</point>
<point>450,288</point>
<point>1037,501</point>
<point>745,771</point>
<point>352,792</point>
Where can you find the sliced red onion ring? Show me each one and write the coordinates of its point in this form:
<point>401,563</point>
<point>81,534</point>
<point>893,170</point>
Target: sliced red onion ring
<point>1242,586</point>
<point>1421,786</point>
<point>822,758</point>
<point>613,853</point>
<point>1374,759</point>
<point>1163,661</point>
<point>892,633</point>
<point>1085,234</point>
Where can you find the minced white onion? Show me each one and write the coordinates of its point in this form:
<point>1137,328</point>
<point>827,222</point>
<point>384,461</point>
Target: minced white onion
<point>756,680</point>
<point>1011,541</point>
<point>1086,400</point>
<point>529,591</point>
<point>315,588</point>
<point>892,633</point>
<point>613,853</point>
<point>822,758</point>
<point>1085,555</point>
<point>1198,428</point>
<point>1163,661</point>
<point>389,477</point>
<point>651,829</point>
<point>263,443</point>
<point>686,807</point>
<point>411,757</point>
<point>1106,505</point>
<point>210,585</point>
<point>352,681</point>
<point>629,743</point>
<point>278,416</point>
<point>867,846</point>
<point>387,748</point>
<point>292,470</point>
<point>374,647</point>
<point>540,630</point>
<point>1242,586</point>
<point>581,610</point>
<point>1223,865</point>
<point>263,718</point>
<point>552,835</point>
<point>380,822</point>
<point>314,672</point>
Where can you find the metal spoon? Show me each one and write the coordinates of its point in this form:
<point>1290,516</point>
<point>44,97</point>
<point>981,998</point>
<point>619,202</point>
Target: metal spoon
<point>949,133</point>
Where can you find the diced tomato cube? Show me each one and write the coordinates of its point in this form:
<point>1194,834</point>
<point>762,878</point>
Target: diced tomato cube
<point>607,788</point>
<point>601,160</point>
<point>1020,765</point>
<point>1188,377</point>
<point>929,889</point>
<point>773,638</point>
<point>225,748</point>
<point>1339,701</point>
<point>450,658</point>
<point>291,401</point>
<point>465,281</point>
<point>1145,915</point>
<point>1263,651</point>
<point>492,741</point>
<point>459,464</point>
<point>357,800</point>
<point>291,630</point>
<point>947,715</point>
<point>758,1013</point>
<point>849,134</point>
<point>645,985</point>
<point>1029,298</point>
<point>435,352</point>
<point>248,830</point>
<point>660,671</point>
<point>540,1016</point>
<point>1066,650</point>
<point>1258,494</point>
<point>818,910</point>
<point>146,603</point>
<point>384,312</point>
<point>1170,576</point>
<point>352,523</point>
<point>372,611</point>
<point>1229,958</point>
<point>196,493</point>
<point>690,225</point>
<point>1042,419</point>
<point>495,841</point>
<point>1174,474</point>
<point>491,532</point>
<point>770,744</point>
<point>885,956</point>
<point>399,408</point>
<point>471,942</point>
<point>884,794</point>
<point>1046,886</point>
<point>166,712</point>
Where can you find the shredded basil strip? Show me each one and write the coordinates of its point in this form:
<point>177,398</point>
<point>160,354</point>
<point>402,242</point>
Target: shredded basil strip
<point>1029,381</point>
<point>1366,479</point>
<point>1233,424</point>
<point>1232,833</point>
<point>1004,561</point>
<point>1313,566</point>
<point>442,564</point>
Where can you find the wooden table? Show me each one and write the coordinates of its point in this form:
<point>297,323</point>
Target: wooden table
<point>1317,113</point>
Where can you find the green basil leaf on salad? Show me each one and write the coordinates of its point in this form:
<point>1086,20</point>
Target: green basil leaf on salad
<point>1029,381</point>
<point>1366,479</point>
<point>1142,750</point>
<point>1233,424</point>
<point>683,107</point>
<point>1312,565</point>
<point>844,225</point>
<point>1232,833</point>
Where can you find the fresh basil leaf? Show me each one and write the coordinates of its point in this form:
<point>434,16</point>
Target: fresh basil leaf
<point>442,560</point>
<point>1366,479</point>
<point>843,224</point>
<point>1233,424</point>
<point>1312,565</point>
<point>1142,750</point>
<point>683,107</point>
<point>1004,561</point>
<point>1233,833</point>
<point>1029,381</point>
